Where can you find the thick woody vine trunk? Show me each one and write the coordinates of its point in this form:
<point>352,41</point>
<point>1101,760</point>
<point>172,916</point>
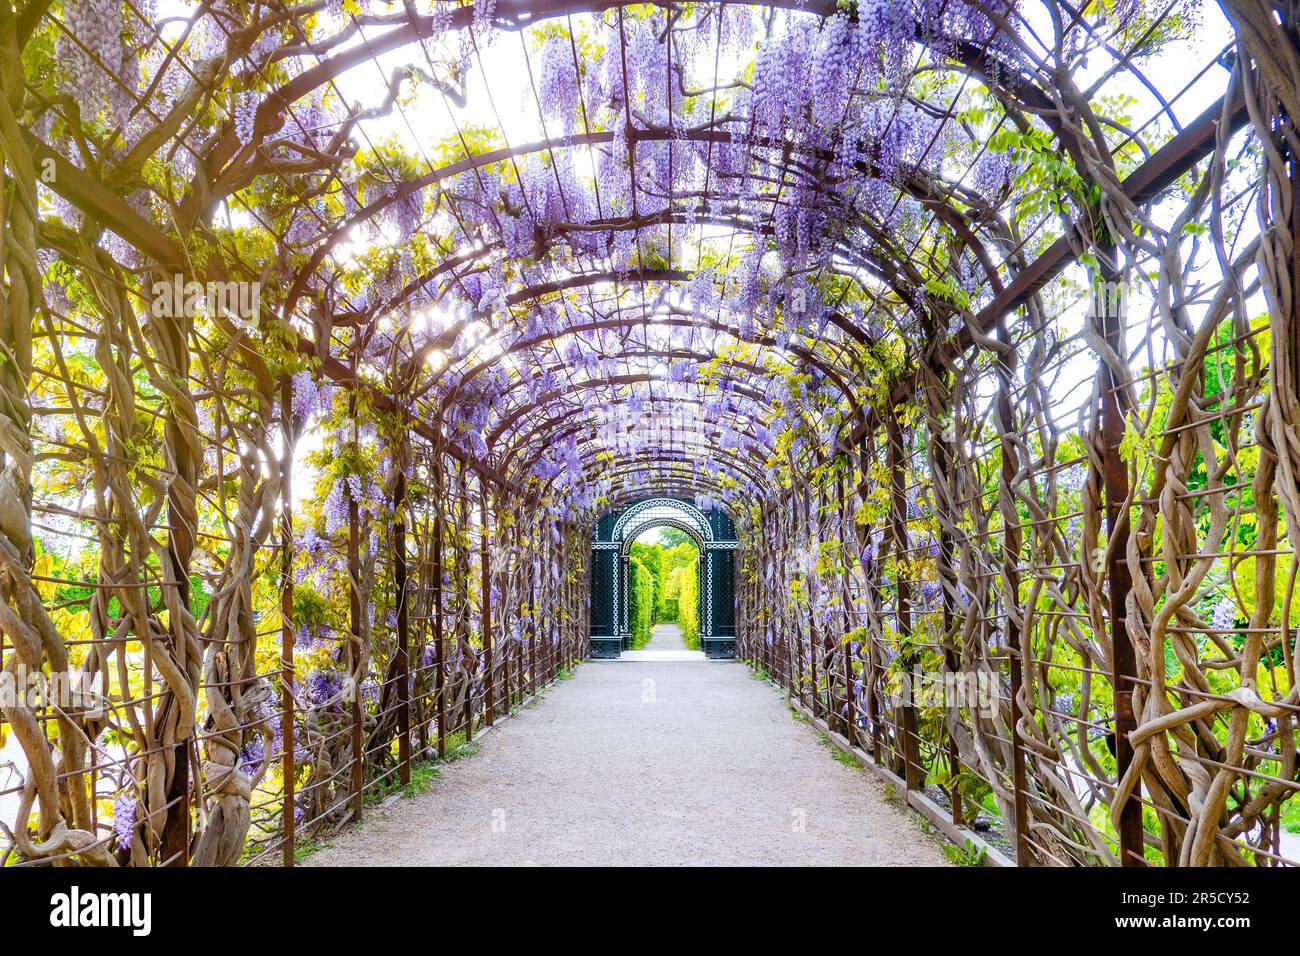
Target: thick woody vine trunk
<point>233,696</point>
<point>55,771</point>
<point>1270,51</point>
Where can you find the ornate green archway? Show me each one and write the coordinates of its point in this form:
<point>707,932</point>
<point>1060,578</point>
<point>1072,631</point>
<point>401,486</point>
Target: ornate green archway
<point>714,534</point>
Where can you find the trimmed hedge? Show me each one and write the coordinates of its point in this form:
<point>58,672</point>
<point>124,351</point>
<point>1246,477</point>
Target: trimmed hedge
<point>684,585</point>
<point>640,603</point>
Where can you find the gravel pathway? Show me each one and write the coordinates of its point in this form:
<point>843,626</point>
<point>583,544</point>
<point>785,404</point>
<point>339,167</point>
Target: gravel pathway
<point>666,637</point>
<point>645,763</point>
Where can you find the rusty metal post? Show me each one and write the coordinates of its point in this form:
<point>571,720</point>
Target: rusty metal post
<point>1006,363</point>
<point>543,600</point>
<point>792,649</point>
<point>288,822</point>
<point>947,573</point>
<point>354,656</point>
<point>553,627</point>
<point>869,676</point>
<point>568,619</point>
<point>816,642</point>
<point>1108,312</point>
<point>462,587</point>
<point>485,567</point>
<point>403,629</point>
<point>534,594</point>
<point>850,705</point>
<point>806,534</point>
<point>178,823</point>
<point>905,726</point>
<point>439,631</point>
<point>566,603</point>
<point>788,653</point>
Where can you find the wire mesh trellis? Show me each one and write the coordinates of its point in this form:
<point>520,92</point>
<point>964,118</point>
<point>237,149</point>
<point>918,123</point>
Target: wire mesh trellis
<point>983,580</point>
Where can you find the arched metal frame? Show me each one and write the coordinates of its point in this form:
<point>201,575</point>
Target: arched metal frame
<point>635,519</point>
<point>610,582</point>
<point>651,523</point>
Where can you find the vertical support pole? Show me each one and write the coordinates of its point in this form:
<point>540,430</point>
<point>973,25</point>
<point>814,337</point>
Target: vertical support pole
<point>791,646</point>
<point>869,676</point>
<point>514,673</point>
<point>485,583</point>
<point>403,628</point>
<point>1107,298</point>
<point>570,616</point>
<point>548,601</point>
<point>850,710</point>
<point>534,594</point>
<point>556,587</point>
<point>941,479</point>
<point>781,560</point>
<point>439,630</point>
<point>814,635</point>
<point>561,649</point>
<point>289,820</point>
<point>758,610</point>
<point>624,599</point>
<point>354,655</point>
<point>1293,24</point>
<point>178,824</point>
<point>905,727</point>
<point>817,634</point>
<point>570,604</point>
<point>805,535</point>
<point>1006,362</point>
<point>462,585</point>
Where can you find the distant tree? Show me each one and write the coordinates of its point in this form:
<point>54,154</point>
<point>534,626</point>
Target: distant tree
<point>651,555</point>
<point>671,559</point>
<point>672,537</point>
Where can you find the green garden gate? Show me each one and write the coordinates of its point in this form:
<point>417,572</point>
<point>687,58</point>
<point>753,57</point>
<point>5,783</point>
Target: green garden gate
<point>713,532</point>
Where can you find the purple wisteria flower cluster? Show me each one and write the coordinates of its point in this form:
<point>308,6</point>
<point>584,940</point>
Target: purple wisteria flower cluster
<point>648,186</point>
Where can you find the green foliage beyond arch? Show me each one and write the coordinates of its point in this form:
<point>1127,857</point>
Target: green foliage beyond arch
<point>685,585</point>
<point>640,602</point>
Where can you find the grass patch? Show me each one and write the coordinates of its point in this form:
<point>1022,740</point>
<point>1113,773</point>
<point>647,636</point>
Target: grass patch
<point>968,855</point>
<point>306,848</point>
<point>564,674</point>
<point>843,758</point>
<point>423,774</point>
<point>846,759</point>
<point>458,748</point>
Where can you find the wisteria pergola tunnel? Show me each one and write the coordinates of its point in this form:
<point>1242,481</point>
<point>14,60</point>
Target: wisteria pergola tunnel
<point>331,329</point>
